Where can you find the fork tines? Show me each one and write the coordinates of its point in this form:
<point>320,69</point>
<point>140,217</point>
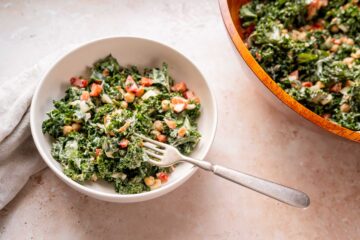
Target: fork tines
<point>153,148</point>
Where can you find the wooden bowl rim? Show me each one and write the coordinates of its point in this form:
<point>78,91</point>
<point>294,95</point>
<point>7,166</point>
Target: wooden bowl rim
<point>276,89</point>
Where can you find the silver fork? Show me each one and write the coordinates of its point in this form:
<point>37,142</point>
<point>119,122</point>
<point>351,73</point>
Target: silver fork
<point>167,155</point>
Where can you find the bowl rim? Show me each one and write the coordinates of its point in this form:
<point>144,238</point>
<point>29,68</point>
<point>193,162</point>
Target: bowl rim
<point>271,84</point>
<point>116,197</point>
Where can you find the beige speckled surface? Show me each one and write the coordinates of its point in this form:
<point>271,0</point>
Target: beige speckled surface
<point>252,136</point>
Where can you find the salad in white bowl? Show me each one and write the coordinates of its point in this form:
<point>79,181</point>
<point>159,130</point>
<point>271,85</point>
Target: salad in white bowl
<point>93,125</point>
<point>87,107</point>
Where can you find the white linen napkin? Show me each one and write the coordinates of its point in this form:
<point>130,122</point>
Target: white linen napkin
<point>19,158</point>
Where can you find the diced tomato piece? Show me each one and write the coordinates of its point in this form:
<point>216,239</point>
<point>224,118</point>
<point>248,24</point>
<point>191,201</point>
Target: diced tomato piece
<point>161,138</point>
<point>124,143</point>
<point>129,80</point>
<point>177,100</point>
<point>146,82</point>
<point>191,96</point>
<point>317,26</point>
<point>314,6</point>
<point>307,84</point>
<point>130,85</point>
<point>179,87</point>
<point>163,176</point>
<point>336,87</point>
<point>85,95</point>
<point>79,82</point>
<point>96,89</point>
<point>132,89</point>
<point>97,152</point>
<point>295,74</point>
<point>179,104</point>
<point>336,41</point>
<point>170,123</point>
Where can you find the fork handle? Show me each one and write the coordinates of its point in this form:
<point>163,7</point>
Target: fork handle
<point>279,192</point>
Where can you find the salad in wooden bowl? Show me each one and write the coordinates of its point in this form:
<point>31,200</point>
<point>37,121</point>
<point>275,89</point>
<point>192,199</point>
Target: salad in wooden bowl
<point>307,53</point>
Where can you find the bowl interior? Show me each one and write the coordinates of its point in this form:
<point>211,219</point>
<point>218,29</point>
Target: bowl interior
<point>128,51</point>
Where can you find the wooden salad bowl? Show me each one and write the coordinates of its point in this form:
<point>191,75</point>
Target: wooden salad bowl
<point>230,14</point>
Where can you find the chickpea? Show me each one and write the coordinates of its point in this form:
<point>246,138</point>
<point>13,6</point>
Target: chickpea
<point>182,131</point>
<point>345,108</point>
<point>335,20</point>
<point>343,39</point>
<point>348,61</point>
<point>129,97</point>
<point>157,184</point>
<point>356,55</point>
<point>107,120</point>
<point>155,132</point>
<point>349,83</point>
<point>350,42</point>
<point>120,90</point>
<point>158,125</point>
<point>93,177</point>
<point>149,181</point>
<point>295,35</point>
<point>76,126</point>
<point>307,28</point>
<point>319,85</point>
<point>67,129</point>
<point>170,123</point>
<point>334,48</point>
<point>106,72</point>
<point>140,92</point>
<point>347,6</point>
<point>165,105</point>
<point>123,104</point>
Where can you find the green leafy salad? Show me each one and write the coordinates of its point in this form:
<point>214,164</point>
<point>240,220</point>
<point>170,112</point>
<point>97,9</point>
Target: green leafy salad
<point>93,125</point>
<point>311,48</point>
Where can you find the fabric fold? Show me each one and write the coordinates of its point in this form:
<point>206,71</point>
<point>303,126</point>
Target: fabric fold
<point>19,158</point>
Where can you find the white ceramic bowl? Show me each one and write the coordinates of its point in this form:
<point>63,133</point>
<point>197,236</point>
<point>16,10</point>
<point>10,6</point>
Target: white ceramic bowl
<point>128,51</point>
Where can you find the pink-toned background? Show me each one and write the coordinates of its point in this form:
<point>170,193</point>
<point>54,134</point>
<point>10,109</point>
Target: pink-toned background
<point>252,136</point>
